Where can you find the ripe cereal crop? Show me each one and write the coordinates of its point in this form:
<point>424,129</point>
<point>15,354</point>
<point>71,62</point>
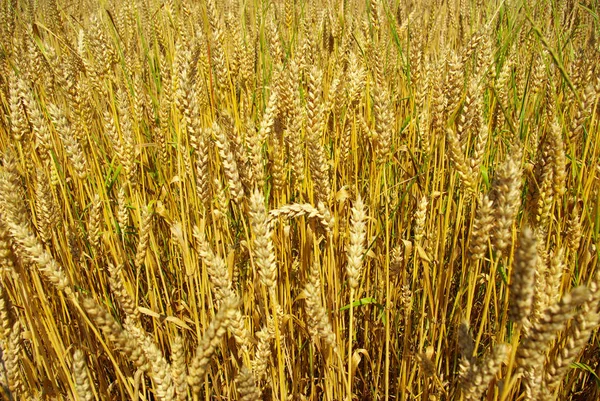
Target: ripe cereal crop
<point>298,200</point>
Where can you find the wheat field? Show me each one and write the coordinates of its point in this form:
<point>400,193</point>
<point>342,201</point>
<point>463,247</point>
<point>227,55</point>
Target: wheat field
<point>299,200</point>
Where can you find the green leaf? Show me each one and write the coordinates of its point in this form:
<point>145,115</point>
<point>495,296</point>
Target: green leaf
<point>112,176</point>
<point>485,175</point>
<point>362,301</point>
<point>587,368</point>
<point>503,274</point>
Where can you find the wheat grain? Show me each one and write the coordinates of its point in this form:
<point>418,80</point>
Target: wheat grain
<point>115,333</point>
<point>418,107</point>
<point>221,279</point>
<point>262,355</point>
<point>145,230</point>
<point>229,164</point>
<point>125,300</point>
<point>507,199</point>
<point>296,210</point>
<point>530,354</point>
<point>356,249</point>
<point>458,158</point>
<point>318,319</point>
<point>317,160</point>
<point>44,207</point>
<point>477,378</point>
<point>127,143</point>
<point>263,249</point>
<point>6,314</point>
<point>72,146</point>
<point>246,386</point>
<point>522,278</point>
<point>10,348</point>
<point>482,226</point>
<point>95,221</point>
<point>159,368</point>
<point>574,230</point>
<point>122,209</point>
<point>81,376</point>
<point>23,236</point>
<point>179,368</point>
<point>18,121</point>
<point>209,342</point>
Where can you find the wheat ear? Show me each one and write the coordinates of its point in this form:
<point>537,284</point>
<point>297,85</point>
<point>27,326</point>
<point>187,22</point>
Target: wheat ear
<point>262,355</point>
<point>317,158</point>
<point>83,386</point>
<point>221,279</point>
<point>507,199</point>
<point>179,368</point>
<point>145,231</point>
<point>530,354</point>
<point>319,324</point>
<point>22,235</point>
<point>263,248</point>
<point>477,378</point>
<point>209,342</point>
<point>124,299</point>
<point>246,386</point>
<point>160,370</point>
<point>577,337</point>
<point>296,210</point>
<point>229,164</point>
<point>522,278</point>
<point>358,237</point>
<point>116,334</point>
<point>482,226</point>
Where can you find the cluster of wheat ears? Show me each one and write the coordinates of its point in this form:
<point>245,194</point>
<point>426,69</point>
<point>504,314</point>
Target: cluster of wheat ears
<point>299,200</point>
